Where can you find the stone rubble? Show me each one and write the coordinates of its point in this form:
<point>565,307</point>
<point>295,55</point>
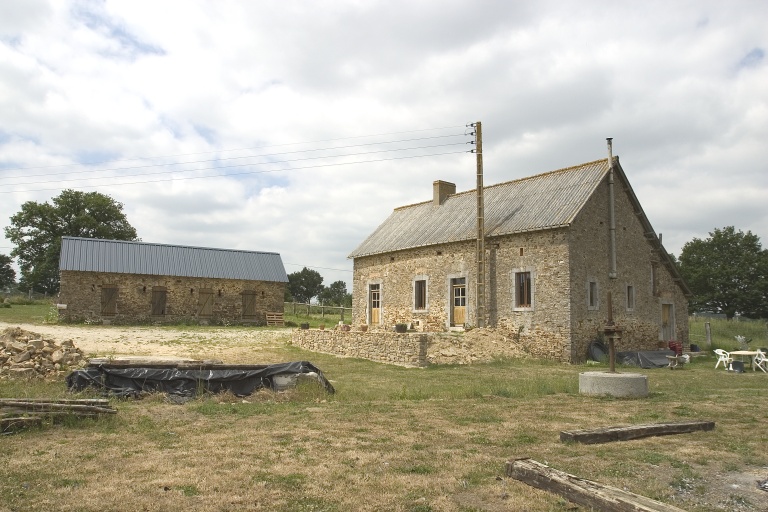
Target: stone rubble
<point>25,354</point>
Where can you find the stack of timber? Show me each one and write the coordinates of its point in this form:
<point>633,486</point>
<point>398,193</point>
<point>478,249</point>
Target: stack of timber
<point>18,413</point>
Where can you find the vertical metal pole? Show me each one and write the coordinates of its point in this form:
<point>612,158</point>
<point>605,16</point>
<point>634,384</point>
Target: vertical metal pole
<point>480,290</point>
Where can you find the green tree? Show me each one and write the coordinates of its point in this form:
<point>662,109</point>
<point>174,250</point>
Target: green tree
<point>37,229</point>
<point>305,284</point>
<point>335,294</point>
<point>727,273</point>
<point>7,274</point>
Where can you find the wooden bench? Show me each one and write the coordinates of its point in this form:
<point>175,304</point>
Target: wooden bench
<point>275,319</point>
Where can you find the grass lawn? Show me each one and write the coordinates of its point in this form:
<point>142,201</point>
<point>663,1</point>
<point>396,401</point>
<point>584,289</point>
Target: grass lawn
<point>394,439</point>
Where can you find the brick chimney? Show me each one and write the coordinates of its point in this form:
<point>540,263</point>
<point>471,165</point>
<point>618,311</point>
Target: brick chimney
<point>441,190</point>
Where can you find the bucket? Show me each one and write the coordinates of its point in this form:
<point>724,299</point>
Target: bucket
<point>305,326</point>
<point>695,348</point>
<point>737,366</point>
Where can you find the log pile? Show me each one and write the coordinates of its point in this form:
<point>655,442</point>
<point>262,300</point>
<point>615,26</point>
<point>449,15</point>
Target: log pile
<point>19,413</point>
<point>28,355</point>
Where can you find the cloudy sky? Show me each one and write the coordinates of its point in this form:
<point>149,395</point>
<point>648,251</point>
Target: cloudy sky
<point>296,126</point>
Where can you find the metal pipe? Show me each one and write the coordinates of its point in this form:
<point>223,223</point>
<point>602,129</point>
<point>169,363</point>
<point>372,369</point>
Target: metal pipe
<point>612,209</point>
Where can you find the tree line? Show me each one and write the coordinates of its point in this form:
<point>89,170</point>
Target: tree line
<point>726,272</point>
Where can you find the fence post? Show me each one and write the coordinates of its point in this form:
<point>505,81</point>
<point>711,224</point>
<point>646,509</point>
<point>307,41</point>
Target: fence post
<point>708,331</point>
<point>342,313</point>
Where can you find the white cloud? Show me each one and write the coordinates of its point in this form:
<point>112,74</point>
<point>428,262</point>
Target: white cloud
<point>680,87</point>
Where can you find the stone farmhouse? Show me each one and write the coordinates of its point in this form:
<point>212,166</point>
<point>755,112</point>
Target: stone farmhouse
<point>557,246</point>
<point>119,281</point>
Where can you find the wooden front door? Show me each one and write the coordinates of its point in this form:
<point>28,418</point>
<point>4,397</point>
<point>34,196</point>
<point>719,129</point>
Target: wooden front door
<point>109,300</point>
<point>667,322</point>
<point>459,301</point>
<point>374,303</point>
<point>205,303</point>
<point>159,295</point>
<point>249,304</point>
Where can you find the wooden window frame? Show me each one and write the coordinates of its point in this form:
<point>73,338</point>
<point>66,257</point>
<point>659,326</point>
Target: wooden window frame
<point>523,289</point>
<point>420,294</point>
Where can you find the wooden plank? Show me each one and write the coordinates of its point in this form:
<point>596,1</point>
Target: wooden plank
<point>583,492</point>
<point>275,319</point>
<point>14,424</point>
<point>44,407</point>
<point>610,434</point>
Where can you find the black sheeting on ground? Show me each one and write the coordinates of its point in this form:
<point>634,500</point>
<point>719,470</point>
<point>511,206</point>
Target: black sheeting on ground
<point>645,358</point>
<point>240,380</point>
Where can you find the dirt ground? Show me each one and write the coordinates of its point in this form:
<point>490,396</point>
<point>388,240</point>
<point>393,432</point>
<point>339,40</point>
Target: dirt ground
<point>235,346</point>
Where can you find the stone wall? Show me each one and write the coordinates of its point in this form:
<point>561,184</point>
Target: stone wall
<point>638,265</point>
<point>81,294</point>
<point>559,324</point>
<point>407,349</point>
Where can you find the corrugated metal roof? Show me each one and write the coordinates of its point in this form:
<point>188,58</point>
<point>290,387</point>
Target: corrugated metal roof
<point>539,202</point>
<point>122,257</point>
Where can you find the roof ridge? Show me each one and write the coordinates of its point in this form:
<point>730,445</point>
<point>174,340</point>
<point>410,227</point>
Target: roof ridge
<point>157,244</point>
<point>518,180</point>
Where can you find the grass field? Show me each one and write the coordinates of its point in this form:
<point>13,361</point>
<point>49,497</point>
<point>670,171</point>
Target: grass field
<point>392,438</point>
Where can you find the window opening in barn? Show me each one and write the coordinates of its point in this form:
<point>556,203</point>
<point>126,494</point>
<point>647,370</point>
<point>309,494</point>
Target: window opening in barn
<point>109,300</point>
<point>204,303</point>
<point>374,303</point>
<point>523,289</point>
<point>159,298</point>
<point>630,297</point>
<point>592,299</point>
<point>420,294</point>
<point>249,303</point>
<point>459,301</point>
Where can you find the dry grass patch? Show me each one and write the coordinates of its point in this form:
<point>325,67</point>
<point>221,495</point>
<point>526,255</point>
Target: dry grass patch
<point>391,438</point>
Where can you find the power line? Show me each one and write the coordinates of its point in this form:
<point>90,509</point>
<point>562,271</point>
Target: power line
<point>241,173</point>
<point>238,149</point>
<point>264,155</point>
<point>238,165</point>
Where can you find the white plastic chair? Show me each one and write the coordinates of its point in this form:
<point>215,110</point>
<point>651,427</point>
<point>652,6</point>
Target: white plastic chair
<point>761,361</point>
<point>723,357</point>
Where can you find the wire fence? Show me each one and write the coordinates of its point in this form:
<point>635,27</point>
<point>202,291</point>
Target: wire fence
<point>313,310</point>
<point>719,332</point>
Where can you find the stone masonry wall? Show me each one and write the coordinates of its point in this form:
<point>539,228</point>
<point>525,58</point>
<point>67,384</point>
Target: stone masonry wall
<point>405,349</point>
<point>544,327</point>
<point>636,260</point>
<point>81,292</point>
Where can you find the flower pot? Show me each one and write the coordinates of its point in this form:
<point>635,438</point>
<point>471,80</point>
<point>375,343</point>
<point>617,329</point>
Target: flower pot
<point>304,326</point>
<point>401,328</point>
<point>364,327</point>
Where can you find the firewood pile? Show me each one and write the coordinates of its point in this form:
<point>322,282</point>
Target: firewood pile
<point>19,413</point>
<point>25,354</point>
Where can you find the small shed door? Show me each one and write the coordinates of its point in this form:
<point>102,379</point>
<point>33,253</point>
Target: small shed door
<point>374,303</point>
<point>109,300</point>
<point>205,303</point>
<point>249,304</point>
<point>159,296</point>
<point>459,299</point>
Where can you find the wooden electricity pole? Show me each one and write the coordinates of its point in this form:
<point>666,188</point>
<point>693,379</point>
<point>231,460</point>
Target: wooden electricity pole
<point>480,289</point>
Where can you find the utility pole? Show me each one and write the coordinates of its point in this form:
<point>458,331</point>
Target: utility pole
<point>480,288</point>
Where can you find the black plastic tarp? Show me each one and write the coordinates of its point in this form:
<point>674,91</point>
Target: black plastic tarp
<point>241,380</point>
<point>645,358</point>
